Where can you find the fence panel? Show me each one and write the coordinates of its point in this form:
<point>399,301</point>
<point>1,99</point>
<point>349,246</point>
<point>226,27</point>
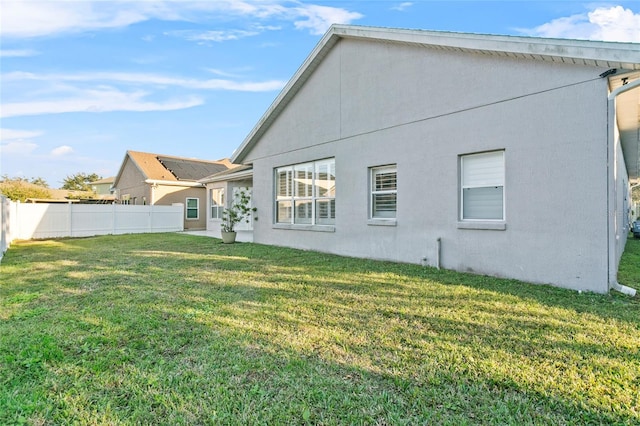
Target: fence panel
<point>35,221</point>
<point>6,212</point>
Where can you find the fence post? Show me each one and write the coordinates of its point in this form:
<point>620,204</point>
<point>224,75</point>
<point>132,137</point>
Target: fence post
<point>4,237</point>
<point>69,219</point>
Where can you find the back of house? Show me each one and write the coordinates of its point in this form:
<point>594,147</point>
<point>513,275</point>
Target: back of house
<point>467,152</point>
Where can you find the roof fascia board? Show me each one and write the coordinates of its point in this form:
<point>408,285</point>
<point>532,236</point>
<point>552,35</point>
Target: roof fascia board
<point>582,50</point>
<point>229,177</point>
<point>174,183</point>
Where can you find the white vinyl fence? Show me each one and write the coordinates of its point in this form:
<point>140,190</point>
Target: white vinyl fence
<point>26,221</point>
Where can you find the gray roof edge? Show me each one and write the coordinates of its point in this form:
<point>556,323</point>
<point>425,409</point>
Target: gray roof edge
<point>328,40</point>
<point>612,54</point>
<point>570,48</point>
<point>234,173</point>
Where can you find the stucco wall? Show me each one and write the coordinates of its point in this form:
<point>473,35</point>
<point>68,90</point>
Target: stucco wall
<point>131,182</point>
<point>167,195</point>
<point>214,224</point>
<point>371,104</point>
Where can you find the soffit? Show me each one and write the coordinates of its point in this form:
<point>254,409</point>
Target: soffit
<point>628,120</point>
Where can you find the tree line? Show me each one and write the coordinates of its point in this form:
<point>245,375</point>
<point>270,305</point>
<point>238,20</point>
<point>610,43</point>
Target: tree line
<point>21,189</point>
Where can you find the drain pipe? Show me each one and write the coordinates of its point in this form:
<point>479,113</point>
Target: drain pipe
<point>611,185</point>
<point>438,248</point>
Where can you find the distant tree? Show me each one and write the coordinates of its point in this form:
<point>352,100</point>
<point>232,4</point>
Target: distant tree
<point>20,189</point>
<point>40,182</point>
<point>80,181</point>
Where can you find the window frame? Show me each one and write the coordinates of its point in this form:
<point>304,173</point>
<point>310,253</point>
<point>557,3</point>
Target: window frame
<point>463,186</point>
<point>219,206</point>
<point>297,201</point>
<point>373,192</point>
<point>187,208</point>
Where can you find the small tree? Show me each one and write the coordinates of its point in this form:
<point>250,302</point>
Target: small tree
<point>40,182</point>
<point>80,181</point>
<point>238,212</point>
<point>20,189</point>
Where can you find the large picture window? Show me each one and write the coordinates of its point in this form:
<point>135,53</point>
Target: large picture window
<point>384,192</point>
<point>482,186</point>
<point>217,203</point>
<point>306,193</point>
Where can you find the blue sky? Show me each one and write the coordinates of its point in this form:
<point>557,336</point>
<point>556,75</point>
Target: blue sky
<point>82,82</point>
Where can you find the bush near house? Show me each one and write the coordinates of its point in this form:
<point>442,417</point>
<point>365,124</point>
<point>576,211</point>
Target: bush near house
<point>178,329</point>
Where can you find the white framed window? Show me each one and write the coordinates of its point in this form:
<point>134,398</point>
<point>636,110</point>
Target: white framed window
<point>306,193</point>
<point>192,209</point>
<point>482,186</point>
<point>384,192</point>
<point>217,202</point>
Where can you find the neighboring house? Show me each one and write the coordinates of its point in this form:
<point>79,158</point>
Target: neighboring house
<point>146,178</point>
<point>505,156</point>
<point>222,189</point>
<point>103,186</point>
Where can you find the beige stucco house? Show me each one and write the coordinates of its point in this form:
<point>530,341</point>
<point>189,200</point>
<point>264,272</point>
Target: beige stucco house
<point>155,179</point>
<point>498,155</point>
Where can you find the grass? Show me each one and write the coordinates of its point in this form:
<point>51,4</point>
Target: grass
<point>177,329</point>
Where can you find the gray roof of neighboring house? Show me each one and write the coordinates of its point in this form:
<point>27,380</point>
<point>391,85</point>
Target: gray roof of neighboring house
<point>170,168</point>
<point>188,169</point>
<point>624,56</point>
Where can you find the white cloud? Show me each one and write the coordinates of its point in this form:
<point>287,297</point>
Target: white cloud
<point>608,24</point>
<point>318,19</point>
<point>61,150</point>
<point>14,134</point>
<point>216,36</point>
<point>616,24</point>
<point>112,91</point>
<point>96,100</point>
<point>17,53</point>
<point>18,147</point>
<point>34,18</point>
<point>150,79</point>
<point>402,6</point>
<point>29,18</point>
<point>16,141</point>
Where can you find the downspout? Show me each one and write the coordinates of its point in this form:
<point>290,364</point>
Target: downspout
<point>611,188</point>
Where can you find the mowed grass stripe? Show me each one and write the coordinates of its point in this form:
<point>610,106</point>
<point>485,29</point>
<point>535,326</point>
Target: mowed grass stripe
<point>179,329</point>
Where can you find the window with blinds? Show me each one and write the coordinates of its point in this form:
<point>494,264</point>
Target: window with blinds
<point>482,186</point>
<point>305,193</point>
<point>384,191</point>
<point>217,203</point>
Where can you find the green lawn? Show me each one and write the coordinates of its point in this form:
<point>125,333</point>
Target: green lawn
<point>177,329</point>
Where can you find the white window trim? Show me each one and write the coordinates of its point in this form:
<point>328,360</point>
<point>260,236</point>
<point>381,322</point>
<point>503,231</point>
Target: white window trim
<point>491,224</point>
<point>382,221</point>
<point>219,207</point>
<point>292,198</point>
<point>197,208</point>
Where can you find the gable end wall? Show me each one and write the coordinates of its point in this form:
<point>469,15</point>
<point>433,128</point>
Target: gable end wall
<point>371,104</point>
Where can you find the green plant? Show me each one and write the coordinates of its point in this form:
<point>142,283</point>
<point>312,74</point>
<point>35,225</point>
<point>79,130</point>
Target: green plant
<point>239,211</point>
<point>17,189</point>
